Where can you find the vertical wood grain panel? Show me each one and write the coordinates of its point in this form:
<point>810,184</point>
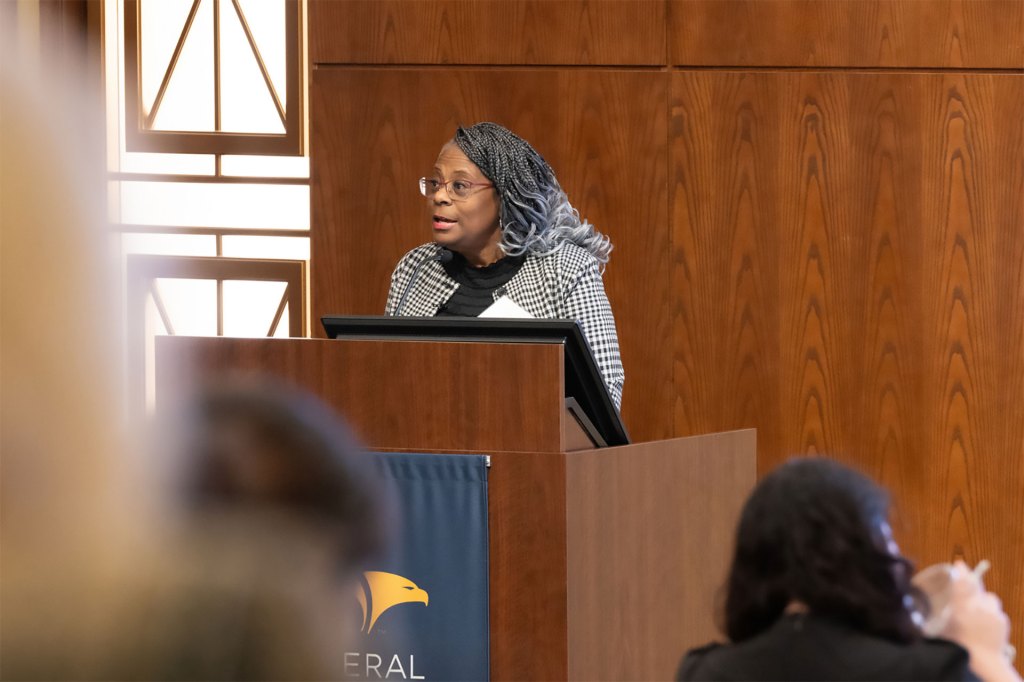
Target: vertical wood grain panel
<point>976,34</point>
<point>605,134</point>
<point>487,32</point>
<point>973,316</point>
<point>725,281</point>
<point>849,253</point>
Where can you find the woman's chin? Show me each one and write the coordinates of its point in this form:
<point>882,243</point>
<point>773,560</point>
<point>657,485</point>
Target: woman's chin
<point>445,239</point>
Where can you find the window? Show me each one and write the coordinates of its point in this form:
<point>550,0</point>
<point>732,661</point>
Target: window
<point>213,76</point>
<point>208,181</point>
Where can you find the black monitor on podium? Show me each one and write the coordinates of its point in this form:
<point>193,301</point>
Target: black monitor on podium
<point>585,391</point>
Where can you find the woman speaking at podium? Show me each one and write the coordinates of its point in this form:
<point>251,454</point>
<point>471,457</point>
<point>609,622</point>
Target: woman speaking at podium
<point>507,241</point>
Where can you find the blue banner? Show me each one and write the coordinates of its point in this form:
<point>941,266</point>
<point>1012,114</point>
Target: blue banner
<point>424,607</point>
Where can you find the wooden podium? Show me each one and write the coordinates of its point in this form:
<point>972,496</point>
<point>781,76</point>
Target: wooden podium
<point>604,563</point>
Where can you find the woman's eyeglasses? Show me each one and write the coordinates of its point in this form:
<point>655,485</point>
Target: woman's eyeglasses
<point>457,189</point>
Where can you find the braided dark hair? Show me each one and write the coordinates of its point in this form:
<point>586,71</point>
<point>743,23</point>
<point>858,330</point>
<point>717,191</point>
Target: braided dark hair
<point>536,215</point>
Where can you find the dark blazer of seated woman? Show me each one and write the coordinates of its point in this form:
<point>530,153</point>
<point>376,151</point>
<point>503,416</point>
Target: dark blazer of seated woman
<point>818,589</point>
<point>809,647</point>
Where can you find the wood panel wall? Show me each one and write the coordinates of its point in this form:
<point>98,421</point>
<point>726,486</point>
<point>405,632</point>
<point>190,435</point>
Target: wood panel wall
<point>817,208</point>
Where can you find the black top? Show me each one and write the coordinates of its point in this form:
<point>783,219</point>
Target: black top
<point>477,285</point>
<point>806,647</point>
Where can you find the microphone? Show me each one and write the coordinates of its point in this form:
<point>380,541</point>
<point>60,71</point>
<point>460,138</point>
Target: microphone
<point>442,256</point>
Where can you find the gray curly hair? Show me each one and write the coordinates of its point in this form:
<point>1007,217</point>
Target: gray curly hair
<point>536,216</point>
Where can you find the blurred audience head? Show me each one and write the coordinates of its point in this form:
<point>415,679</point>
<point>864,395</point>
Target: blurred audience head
<point>249,444</point>
<point>268,511</point>
<point>814,534</point>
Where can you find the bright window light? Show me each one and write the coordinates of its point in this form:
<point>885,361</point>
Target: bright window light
<point>288,248</point>
<point>249,307</point>
<point>191,305</point>
<point>266,166</point>
<point>169,244</point>
<point>212,205</point>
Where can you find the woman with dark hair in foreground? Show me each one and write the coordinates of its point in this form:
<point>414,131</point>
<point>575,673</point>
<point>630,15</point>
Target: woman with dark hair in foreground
<point>818,591</point>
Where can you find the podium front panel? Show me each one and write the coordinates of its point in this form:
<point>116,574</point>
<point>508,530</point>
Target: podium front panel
<point>400,395</point>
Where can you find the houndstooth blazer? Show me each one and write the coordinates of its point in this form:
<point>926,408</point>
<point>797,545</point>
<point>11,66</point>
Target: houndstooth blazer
<point>563,285</point>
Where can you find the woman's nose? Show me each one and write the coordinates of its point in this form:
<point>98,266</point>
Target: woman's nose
<point>438,201</point>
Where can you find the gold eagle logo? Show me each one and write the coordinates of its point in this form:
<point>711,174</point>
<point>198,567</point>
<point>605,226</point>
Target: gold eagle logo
<point>380,591</point>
